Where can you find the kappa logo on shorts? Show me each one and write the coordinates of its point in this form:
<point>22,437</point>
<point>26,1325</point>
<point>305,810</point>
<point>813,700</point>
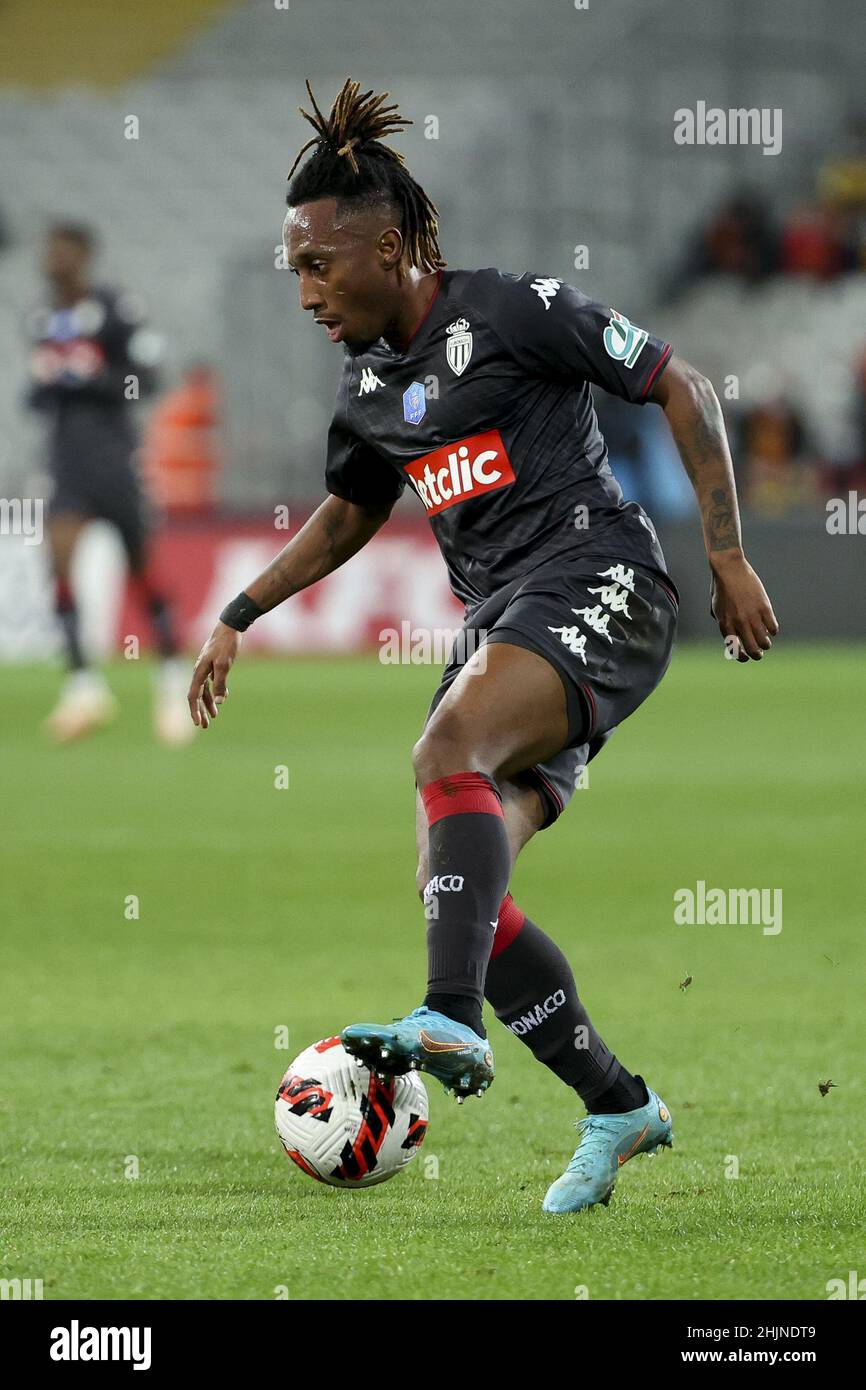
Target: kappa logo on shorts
<point>595,619</point>
<point>614,599</point>
<point>573,638</point>
<point>615,594</point>
<point>460,471</point>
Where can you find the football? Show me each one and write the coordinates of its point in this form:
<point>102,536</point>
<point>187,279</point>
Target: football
<point>343,1125</point>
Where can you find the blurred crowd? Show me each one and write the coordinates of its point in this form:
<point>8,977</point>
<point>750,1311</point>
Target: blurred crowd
<point>822,236</point>
<point>780,468</point>
<point>779,465</point>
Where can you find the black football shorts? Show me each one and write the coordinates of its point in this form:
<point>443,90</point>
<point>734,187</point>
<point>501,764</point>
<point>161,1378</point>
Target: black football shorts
<point>109,494</point>
<point>606,625</point>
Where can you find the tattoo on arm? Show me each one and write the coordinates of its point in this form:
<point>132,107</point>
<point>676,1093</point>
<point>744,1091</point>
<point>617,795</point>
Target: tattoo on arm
<point>722,530</point>
<point>703,448</point>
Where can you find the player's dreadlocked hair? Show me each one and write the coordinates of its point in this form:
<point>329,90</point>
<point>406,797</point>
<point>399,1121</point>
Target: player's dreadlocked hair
<point>352,165</point>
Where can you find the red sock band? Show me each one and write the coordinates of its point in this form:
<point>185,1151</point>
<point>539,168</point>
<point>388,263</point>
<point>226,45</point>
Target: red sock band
<point>144,589</point>
<point>508,925</point>
<point>460,794</point>
<point>63,595</point>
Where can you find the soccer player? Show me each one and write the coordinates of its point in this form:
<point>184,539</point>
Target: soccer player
<point>569,608</point>
<point>90,356</point>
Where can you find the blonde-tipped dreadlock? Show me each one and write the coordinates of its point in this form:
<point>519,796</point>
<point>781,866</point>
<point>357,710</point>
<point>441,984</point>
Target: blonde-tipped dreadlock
<point>352,165</point>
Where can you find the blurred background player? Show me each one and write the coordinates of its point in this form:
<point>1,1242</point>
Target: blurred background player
<point>91,359</point>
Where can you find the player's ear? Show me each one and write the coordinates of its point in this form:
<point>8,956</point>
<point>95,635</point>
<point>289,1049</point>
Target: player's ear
<point>390,248</point>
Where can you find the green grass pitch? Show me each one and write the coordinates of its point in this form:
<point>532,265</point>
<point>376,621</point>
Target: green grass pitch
<point>149,1043</point>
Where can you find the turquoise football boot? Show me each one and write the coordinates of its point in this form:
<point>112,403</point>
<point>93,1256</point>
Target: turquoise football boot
<point>606,1143</point>
<point>424,1041</point>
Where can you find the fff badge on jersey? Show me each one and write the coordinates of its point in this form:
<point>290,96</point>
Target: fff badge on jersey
<point>414,403</point>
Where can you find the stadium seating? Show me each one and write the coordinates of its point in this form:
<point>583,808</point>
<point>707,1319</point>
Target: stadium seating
<point>191,210</point>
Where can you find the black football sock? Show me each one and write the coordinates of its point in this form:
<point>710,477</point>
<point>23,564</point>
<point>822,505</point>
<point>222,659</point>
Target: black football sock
<point>470,862</point>
<point>531,987</point>
<point>627,1093</point>
<point>459,1007</point>
<point>160,613</point>
<point>67,613</point>
<point>160,616</point>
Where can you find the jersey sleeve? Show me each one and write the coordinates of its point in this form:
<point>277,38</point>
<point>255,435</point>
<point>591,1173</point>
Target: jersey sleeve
<point>356,472</point>
<point>136,348</point>
<point>553,329</point>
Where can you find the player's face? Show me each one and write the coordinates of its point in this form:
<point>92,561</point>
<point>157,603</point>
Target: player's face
<point>63,259</point>
<point>344,265</point>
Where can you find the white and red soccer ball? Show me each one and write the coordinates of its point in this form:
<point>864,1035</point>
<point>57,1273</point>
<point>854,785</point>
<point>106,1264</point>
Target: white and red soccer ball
<point>341,1125</point>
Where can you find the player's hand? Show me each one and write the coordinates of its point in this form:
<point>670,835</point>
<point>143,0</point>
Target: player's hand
<point>740,605</point>
<point>215,660</point>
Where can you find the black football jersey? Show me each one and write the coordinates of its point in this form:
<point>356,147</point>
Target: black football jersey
<point>88,363</point>
<point>488,416</point>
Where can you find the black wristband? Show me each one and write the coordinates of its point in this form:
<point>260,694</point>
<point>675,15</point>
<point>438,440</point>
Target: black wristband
<point>240,613</point>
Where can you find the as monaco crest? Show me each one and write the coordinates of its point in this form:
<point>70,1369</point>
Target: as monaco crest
<point>458,349</point>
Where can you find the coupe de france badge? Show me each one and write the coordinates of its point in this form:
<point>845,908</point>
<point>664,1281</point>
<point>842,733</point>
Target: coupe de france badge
<point>459,346</point>
<point>623,341</point>
<point>414,403</point>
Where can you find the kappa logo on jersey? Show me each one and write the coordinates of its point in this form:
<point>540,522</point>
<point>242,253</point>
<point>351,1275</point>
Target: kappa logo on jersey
<point>460,471</point>
<point>458,349</point>
<point>622,340</point>
<point>545,288</point>
<point>369,382</point>
<point>414,403</point>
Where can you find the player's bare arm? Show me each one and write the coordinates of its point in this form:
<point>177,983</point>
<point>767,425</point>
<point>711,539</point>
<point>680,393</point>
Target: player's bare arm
<point>740,603</point>
<point>335,532</point>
